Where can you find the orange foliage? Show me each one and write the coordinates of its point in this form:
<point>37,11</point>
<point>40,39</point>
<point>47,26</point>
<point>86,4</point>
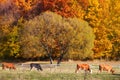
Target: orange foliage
<point>84,3</point>
<point>31,8</point>
<point>62,7</point>
<point>54,5</point>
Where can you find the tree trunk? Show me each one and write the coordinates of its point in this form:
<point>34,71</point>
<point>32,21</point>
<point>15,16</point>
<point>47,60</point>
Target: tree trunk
<point>51,61</point>
<point>63,52</point>
<point>60,58</point>
<point>59,61</point>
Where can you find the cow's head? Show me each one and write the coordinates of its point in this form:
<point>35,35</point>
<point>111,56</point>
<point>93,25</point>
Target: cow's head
<point>112,71</point>
<point>14,68</point>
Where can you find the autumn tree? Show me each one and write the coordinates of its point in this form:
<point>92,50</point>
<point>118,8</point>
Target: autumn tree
<point>9,46</point>
<point>113,23</point>
<point>14,9</point>
<point>65,8</point>
<point>82,41</point>
<point>110,20</point>
<point>57,36</point>
<point>29,42</point>
<point>94,16</point>
<point>52,33</point>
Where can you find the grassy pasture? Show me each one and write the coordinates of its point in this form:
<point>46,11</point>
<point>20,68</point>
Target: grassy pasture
<point>66,71</point>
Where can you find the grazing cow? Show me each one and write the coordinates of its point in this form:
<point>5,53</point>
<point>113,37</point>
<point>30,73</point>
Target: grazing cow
<point>85,67</point>
<point>8,65</point>
<point>105,67</point>
<point>36,65</point>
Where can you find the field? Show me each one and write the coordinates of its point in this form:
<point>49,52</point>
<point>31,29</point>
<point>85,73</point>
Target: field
<point>66,71</point>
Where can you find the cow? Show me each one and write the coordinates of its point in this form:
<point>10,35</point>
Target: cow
<point>85,67</point>
<point>8,65</point>
<point>36,65</point>
<point>106,67</point>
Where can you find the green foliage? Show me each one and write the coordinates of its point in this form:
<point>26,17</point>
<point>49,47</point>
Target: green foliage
<point>9,46</point>
<point>51,33</point>
<point>29,41</point>
<point>58,36</point>
<point>82,41</point>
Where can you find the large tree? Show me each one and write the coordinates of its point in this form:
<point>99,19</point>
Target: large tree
<point>94,16</point>
<point>112,24</point>
<point>52,32</point>
<point>58,36</point>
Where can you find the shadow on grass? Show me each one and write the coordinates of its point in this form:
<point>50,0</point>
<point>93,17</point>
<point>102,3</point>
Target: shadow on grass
<point>116,74</point>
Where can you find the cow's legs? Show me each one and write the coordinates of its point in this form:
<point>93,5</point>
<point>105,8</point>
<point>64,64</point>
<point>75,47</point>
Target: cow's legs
<point>108,71</point>
<point>31,68</point>
<point>76,71</point>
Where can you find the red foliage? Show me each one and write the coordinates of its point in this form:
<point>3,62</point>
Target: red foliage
<point>84,3</point>
<point>31,8</point>
<point>61,7</point>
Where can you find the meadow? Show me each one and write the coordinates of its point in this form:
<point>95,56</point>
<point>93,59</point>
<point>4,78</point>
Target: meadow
<point>66,71</point>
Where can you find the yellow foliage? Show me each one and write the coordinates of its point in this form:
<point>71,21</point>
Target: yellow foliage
<point>94,3</point>
<point>5,29</point>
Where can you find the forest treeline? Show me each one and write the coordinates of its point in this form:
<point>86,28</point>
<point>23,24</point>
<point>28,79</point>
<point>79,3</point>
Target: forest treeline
<point>57,29</point>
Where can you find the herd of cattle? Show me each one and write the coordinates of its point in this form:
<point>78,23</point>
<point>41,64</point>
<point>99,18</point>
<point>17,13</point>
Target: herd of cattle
<point>85,67</point>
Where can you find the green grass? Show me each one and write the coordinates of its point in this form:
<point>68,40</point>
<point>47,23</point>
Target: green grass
<point>34,75</point>
<point>64,72</point>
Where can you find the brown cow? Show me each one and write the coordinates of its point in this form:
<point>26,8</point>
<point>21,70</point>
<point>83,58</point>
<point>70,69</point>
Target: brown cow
<point>105,67</point>
<point>8,65</point>
<point>85,67</point>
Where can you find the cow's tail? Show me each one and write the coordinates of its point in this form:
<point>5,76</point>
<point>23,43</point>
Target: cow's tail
<point>99,68</point>
<point>41,68</point>
<point>77,68</point>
